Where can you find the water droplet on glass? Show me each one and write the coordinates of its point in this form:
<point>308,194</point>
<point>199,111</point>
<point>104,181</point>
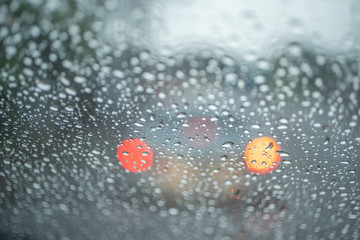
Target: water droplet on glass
<point>283,154</point>
<point>269,147</point>
<point>43,85</point>
<point>138,124</point>
<point>286,161</point>
<point>181,115</point>
<point>70,91</point>
<point>223,158</point>
<point>227,144</point>
<point>212,107</point>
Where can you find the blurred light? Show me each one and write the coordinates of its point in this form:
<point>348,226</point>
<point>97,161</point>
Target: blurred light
<point>262,155</point>
<point>135,155</point>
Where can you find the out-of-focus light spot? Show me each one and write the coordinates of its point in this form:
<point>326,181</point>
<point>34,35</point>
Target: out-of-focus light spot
<point>135,155</point>
<point>261,155</point>
<point>199,132</point>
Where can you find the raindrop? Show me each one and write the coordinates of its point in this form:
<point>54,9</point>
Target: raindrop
<point>269,147</point>
<point>228,182</point>
<point>79,79</point>
<point>283,154</point>
<point>223,158</point>
<point>185,124</point>
<point>152,117</point>
<point>227,144</point>
<point>162,95</point>
<point>216,170</point>
<point>260,79</point>
<point>138,124</point>
<point>181,115</point>
<point>287,162</point>
<point>70,91</point>
<point>212,107</point>
<point>282,127</point>
<point>118,74</point>
<point>231,168</point>
<point>295,49</point>
<point>284,120</point>
<point>43,85</point>
<point>54,108</point>
<point>149,76</point>
<point>173,211</point>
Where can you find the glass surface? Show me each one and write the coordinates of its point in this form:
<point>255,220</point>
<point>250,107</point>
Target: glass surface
<point>179,119</point>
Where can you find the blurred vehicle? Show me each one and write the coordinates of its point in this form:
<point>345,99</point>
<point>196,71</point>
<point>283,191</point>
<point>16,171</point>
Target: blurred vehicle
<point>132,120</point>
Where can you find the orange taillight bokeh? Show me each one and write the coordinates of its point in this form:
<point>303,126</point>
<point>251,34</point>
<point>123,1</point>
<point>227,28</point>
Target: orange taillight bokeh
<point>261,155</point>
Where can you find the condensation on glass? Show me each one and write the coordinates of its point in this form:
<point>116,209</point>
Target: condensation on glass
<point>179,119</point>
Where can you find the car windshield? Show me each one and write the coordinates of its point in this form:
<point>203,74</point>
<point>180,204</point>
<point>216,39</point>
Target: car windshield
<point>179,119</point>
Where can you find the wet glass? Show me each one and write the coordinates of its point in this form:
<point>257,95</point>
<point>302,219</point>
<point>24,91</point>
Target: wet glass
<point>179,119</point>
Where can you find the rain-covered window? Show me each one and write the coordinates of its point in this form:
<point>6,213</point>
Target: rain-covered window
<point>165,120</point>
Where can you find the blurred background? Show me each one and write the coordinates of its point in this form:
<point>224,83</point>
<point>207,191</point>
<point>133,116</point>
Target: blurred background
<point>197,81</point>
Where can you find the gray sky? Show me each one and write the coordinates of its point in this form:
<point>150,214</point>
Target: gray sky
<point>242,27</point>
